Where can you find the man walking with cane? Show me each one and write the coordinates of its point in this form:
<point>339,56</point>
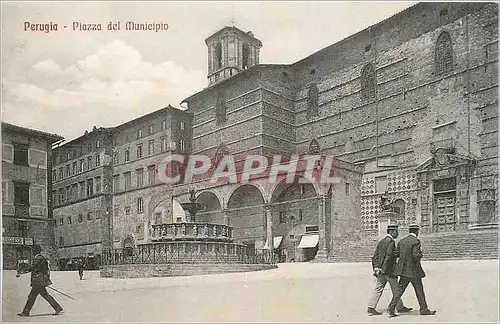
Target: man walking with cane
<point>383,262</point>
<point>40,279</point>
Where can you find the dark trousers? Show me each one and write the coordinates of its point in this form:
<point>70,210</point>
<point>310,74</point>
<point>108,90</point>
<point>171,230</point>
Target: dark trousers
<point>418,286</point>
<point>80,273</point>
<point>35,290</point>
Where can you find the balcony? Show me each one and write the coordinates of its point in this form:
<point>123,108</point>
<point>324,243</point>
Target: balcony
<point>192,231</point>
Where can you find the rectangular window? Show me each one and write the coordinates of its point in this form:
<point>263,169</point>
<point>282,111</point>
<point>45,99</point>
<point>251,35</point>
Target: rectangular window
<point>97,144</point>
<point>163,124</point>
<point>20,154</point>
<point>115,158</point>
<point>68,193</point>
<point>127,210</point>
<point>140,177</point>
<point>61,196</point>
<point>69,220</point>
<point>82,189</point>
<point>74,168</point>
<point>89,216</point>
<point>116,183</point>
<point>381,184</point>
<point>139,133</point>
<point>61,174</point>
<point>128,180</point>
<point>182,125</point>
<point>179,219</point>
<point>181,145</point>
<point>282,217</point>
<point>139,151</point>
<point>90,187</point>
<point>151,147</point>
<point>151,129</point>
<point>21,193</point>
<point>151,174</point>
<point>54,197</point>
<point>82,164</point>
<point>68,170</point>
<point>98,185</point>
<point>54,176</point>
<point>61,221</point>
<point>75,190</point>
<point>163,144</point>
<point>300,215</point>
<point>347,188</point>
<point>80,218</point>
<point>89,163</point>
<point>127,155</point>
<point>97,160</point>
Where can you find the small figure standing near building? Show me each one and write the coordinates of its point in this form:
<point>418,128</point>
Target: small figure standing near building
<point>40,279</point>
<point>81,267</point>
<point>409,270</point>
<point>383,263</point>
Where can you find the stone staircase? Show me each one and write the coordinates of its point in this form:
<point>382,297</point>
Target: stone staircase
<point>466,245</point>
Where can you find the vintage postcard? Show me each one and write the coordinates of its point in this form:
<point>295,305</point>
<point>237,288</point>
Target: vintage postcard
<point>249,161</point>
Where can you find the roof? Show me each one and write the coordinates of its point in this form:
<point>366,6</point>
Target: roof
<point>248,34</point>
<point>52,137</point>
<point>143,117</point>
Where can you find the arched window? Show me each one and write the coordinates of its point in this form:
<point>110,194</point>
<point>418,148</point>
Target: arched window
<point>312,100</point>
<point>368,82</point>
<point>314,148</point>
<point>400,209</point>
<point>218,56</point>
<point>246,56</point>
<point>220,110</point>
<point>444,54</point>
<point>140,205</point>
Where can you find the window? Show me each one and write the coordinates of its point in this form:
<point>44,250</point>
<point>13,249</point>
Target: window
<point>97,144</point>
<point>140,177</point>
<point>140,205</point>
<point>74,168</point>
<point>151,147</point>
<point>139,133</point>
<point>69,220</point>
<point>97,160</point>
<point>54,175</point>
<point>80,218</point>
<point>181,145</point>
<point>179,219</point>
<point>218,56</point>
<point>82,189</point>
<point>116,183</point>
<point>127,210</point>
<point>61,241</point>
<point>151,174</point>
<point>151,129</point>
<point>302,189</point>
<point>68,156</point>
<point>380,184</point>
<point>54,197</point>
<point>68,170</point>
<point>61,196</point>
<point>368,83</point>
<point>444,54</point>
<point>98,185</point>
<point>82,163</point>
<point>61,221</point>
<point>139,151</point>
<point>89,216</point>
<point>300,215</point>
<point>20,154</point>
<point>69,194</point>
<point>128,180</point>
<point>220,110</point>
<point>246,56</point>
<point>163,124</point>
<point>347,188</point>
<point>61,174</point>
<point>90,187</point>
<point>164,144</point>
<point>282,217</point>
<point>182,125</point>
<point>115,158</point>
<point>312,100</point>
<point>127,154</point>
<point>75,190</point>
<point>21,193</point>
<point>89,163</point>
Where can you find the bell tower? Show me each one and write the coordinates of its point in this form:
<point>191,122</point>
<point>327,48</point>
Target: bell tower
<point>231,50</point>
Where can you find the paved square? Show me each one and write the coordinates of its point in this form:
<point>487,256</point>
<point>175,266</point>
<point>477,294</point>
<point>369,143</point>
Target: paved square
<point>464,291</point>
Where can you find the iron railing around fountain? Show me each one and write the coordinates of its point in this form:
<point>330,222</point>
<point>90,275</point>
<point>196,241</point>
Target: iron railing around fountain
<point>189,252</point>
<point>191,231</point>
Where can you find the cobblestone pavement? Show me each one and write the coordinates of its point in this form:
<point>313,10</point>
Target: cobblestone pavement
<point>464,291</point>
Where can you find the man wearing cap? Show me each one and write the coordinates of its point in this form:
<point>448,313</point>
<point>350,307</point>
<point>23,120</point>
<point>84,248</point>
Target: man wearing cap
<point>409,270</point>
<point>40,279</point>
<point>383,262</point>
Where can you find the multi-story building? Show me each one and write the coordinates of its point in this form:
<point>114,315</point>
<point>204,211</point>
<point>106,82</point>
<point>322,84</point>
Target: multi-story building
<point>26,202</point>
<point>106,180</point>
<point>410,105</point>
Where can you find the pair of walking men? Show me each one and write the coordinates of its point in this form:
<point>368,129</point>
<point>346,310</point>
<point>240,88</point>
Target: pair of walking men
<point>385,269</point>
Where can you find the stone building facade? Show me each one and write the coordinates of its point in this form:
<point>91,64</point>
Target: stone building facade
<point>26,203</point>
<point>408,107</point>
<point>106,182</point>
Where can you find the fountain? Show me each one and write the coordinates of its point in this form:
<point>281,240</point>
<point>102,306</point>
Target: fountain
<point>186,248</point>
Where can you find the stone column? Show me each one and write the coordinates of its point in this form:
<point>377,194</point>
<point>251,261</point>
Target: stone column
<point>269,227</point>
<point>322,252</point>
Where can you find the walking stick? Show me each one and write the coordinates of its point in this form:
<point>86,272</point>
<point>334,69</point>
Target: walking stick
<point>61,292</point>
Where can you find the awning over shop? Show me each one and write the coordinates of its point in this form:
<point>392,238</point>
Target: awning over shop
<point>308,241</point>
<point>276,242</point>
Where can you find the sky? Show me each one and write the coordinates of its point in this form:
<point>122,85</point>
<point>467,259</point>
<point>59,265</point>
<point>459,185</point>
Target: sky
<point>68,81</point>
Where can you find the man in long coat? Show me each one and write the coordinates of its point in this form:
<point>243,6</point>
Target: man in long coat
<point>409,270</point>
<point>383,262</point>
<point>40,279</point>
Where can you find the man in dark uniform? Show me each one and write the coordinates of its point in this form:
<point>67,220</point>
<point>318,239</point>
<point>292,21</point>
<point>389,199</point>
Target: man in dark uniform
<point>40,279</point>
<point>409,270</point>
<point>80,266</point>
<point>383,262</point>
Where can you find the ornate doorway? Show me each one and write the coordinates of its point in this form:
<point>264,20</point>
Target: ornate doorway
<point>444,205</point>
